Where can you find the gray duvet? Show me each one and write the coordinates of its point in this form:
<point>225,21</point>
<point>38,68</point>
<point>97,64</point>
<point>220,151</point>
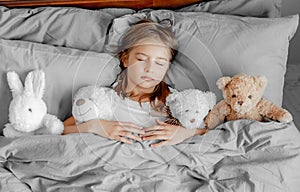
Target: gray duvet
<point>240,155</point>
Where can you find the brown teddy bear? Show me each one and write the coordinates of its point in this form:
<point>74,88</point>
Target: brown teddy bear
<point>243,100</point>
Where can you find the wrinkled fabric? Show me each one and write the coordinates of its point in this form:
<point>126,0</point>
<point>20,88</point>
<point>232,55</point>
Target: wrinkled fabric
<point>240,155</point>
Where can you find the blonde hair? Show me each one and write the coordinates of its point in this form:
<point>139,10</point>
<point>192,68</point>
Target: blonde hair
<point>145,30</point>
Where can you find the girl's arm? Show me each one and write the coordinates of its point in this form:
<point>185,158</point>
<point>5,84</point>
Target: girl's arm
<point>87,127</point>
<point>170,134</point>
<point>110,129</point>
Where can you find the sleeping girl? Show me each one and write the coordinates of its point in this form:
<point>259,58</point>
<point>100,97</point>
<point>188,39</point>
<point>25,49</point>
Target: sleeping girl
<point>145,52</point>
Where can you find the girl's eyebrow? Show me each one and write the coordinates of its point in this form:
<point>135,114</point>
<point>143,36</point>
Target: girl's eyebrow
<point>143,54</point>
<point>162,58</point>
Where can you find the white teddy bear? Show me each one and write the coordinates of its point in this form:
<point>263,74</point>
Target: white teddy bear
<point>93,102</point>
<point>191,106</point>
<point>27,110</point>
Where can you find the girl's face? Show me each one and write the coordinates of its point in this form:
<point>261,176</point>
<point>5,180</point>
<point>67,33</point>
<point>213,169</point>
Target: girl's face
<point>147,65</point>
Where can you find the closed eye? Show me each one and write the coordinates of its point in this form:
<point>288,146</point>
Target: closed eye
<point>161,64</point>
<point>141,59</point>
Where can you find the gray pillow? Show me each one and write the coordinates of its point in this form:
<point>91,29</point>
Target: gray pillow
<point>70,27</point>
<point>212,45</point>
<point>66,70</point>
<point>254,8</point>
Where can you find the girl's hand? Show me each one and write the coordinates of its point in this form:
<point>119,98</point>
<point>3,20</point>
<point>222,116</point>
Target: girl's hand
<point>118,131</point>
<point>171,134</point>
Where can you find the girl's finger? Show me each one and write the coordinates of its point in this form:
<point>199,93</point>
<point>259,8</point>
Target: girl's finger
<point>128,124</point>
<point>154,128</point>
<point>160,122</point>
<point>123,140</point>
<point>154,133</point>
<point>162,143</point>
<point>154,137</point>
<point>130,135</point>
<point>132,129</point>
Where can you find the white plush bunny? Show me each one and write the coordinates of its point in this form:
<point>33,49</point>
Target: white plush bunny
<point>191,106</point>
<point>93,102</point>
<point>27,110</point>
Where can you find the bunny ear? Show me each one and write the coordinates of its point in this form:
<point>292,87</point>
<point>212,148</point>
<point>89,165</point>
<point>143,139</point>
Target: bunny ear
<point>14,83</point>
<point>35,83</point>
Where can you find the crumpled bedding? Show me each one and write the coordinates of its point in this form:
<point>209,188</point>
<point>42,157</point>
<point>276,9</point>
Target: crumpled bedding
<point>241,155</point>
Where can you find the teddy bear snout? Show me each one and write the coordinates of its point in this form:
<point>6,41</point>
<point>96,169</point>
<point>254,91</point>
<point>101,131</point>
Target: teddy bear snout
<point>240,102</point>
<point>192,120</point>
<point>80,102</point>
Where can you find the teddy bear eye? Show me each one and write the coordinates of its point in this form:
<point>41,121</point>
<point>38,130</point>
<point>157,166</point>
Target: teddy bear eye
<point>233,96</point>
<point>30,110</point>
<point>249,96</point>
<point>197,111</point>
<point>187,110</point>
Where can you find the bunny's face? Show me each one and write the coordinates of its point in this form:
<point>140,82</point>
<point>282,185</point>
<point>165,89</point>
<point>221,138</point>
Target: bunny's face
<point>26,113</point>
<point>27,109</point>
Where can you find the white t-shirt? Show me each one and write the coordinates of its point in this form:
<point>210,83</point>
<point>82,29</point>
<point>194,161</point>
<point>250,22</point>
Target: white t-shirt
<point>127,110</point>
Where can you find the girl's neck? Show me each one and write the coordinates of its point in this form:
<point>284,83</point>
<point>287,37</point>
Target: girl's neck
<point>137,95</point>
<point>137,98</point>
<point>138,92</point>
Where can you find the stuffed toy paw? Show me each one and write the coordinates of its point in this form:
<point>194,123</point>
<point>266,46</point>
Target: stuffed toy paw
<point>11,132</point>
<point>92,102</point>
<point>190,107</point>
<point>243,99</point>
<point>27,110</point>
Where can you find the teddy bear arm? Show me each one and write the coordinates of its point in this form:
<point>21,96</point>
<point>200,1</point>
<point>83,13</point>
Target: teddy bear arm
<point>51,125</point>
<point>217,115</point>
<point>270,110</point>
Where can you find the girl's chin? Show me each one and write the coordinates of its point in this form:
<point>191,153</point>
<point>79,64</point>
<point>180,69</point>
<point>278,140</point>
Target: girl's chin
<point>147,85</point>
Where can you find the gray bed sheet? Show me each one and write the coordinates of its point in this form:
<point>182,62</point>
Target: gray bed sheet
<point>240,155</point>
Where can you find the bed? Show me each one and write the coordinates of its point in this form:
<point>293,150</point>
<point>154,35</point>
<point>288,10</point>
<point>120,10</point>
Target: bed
<point>73,42</point>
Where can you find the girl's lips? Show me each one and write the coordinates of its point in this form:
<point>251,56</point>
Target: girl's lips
<point>146,78</point>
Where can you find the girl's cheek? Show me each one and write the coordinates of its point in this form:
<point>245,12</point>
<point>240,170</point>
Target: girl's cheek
<point>159,76</point>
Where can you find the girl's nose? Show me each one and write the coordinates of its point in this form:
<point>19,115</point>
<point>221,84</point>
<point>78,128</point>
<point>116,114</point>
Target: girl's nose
<point>148,67</point>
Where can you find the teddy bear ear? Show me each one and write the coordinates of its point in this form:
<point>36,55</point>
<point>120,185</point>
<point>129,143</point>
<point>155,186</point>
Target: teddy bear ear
<point>172,98</point>
<point>261,81</point>
<point>222,82</point>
